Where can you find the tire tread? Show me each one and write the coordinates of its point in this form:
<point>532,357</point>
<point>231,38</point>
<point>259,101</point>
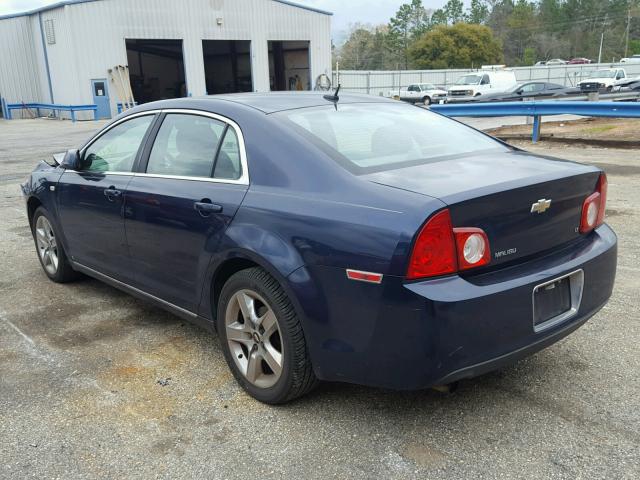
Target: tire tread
<point>303,379</point>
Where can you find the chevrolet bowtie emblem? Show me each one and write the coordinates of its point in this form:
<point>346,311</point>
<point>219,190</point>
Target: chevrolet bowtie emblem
<point>541,206</point>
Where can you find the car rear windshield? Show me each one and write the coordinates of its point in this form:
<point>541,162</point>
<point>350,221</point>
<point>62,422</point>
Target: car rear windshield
<point>385,136</point>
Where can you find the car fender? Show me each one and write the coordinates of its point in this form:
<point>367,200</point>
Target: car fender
<point>41,185</point>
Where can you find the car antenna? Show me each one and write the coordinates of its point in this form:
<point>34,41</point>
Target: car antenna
<point>333,98</point>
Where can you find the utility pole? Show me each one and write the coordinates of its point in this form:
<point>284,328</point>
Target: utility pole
<point>601,42</point>
<point>602,38</point>
<point>626,45</point>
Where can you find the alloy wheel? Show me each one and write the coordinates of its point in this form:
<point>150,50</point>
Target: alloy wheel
<point>254,338</point>
<point>47,245</point>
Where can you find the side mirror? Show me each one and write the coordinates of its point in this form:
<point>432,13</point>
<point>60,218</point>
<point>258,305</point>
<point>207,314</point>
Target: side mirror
<point>519,91</point>
<point>71,160</point>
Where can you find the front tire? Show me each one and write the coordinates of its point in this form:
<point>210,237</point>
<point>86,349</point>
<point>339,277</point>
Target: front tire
<point>426,100</point>
<point>262,338</point>
<point>50,251</point>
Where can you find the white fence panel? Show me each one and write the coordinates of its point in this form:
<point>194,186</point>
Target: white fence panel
<point>379,82</point>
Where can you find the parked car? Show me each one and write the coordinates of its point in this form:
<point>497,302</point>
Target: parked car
<point>556,61</point>
<point>602,79</point>
<point>471,85</point>
<point>579,61</point>
<point>631,59</point>
<point>528,90</point>
<point>541,63</point>
<point>426,93</point>
<point>352,239</point>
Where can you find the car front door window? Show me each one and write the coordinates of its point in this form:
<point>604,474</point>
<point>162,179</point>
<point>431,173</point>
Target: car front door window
<point>116,150</point>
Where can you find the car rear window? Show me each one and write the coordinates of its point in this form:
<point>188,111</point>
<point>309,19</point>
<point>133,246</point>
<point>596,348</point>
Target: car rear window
<point>381,136</point>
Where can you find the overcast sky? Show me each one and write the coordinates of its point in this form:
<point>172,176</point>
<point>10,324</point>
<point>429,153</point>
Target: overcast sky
<point>346,12</point>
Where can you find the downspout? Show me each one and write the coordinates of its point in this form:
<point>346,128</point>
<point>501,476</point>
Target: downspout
<point>46,57</point>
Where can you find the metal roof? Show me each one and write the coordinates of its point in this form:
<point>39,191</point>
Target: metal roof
<point>64,3</point>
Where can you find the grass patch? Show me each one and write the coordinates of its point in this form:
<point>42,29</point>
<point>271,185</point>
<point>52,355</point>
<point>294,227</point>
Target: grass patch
<point>599,129</point>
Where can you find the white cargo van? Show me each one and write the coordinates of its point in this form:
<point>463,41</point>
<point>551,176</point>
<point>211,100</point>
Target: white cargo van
<point>483,81</point>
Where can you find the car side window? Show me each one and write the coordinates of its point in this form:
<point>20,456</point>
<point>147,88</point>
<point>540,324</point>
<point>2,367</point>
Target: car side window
<point>533,87</point>
<point>116,150</point>
<point>485,80</point>
<point>186,146</point>
<point>228,165</point>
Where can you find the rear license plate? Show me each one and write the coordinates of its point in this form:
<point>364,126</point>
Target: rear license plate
<point>557,300</point>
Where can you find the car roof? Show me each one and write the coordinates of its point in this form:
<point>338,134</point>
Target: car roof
<point>278,101</point>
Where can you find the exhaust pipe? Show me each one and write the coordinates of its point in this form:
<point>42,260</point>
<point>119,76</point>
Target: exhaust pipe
<point>449,388</point>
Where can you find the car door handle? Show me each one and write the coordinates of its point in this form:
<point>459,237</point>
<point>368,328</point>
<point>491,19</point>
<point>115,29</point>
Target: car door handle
<point>206,208</point>
<point>111,193</point>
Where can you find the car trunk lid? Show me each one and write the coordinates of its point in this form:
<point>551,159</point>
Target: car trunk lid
<point>525,204</point>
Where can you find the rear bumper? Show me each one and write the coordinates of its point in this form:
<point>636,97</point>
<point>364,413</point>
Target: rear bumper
<point>413,335</point>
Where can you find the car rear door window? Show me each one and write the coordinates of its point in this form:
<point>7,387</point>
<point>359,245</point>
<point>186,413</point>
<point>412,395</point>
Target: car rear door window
<point>228,165</point>
<point>186,145</point>
<point>116,150</point>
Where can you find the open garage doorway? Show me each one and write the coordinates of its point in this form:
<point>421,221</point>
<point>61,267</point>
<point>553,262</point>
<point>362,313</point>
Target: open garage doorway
<point>227,66</point>
<point>156,69</point>
<point>289,65</point>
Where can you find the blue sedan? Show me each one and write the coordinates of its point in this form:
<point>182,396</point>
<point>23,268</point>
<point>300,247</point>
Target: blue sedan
<point>349,238</point>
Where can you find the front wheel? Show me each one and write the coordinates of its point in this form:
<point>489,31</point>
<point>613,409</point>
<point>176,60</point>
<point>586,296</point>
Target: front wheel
<point>51,253</point>
<point>426,100</point>
<point>262,338</point>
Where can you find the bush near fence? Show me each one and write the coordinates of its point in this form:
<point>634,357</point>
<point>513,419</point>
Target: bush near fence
<point>382,82</point>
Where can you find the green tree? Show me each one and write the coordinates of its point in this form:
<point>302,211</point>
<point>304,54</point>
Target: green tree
<point>454,11</point>
<point>521,23</point>
<point>457,46</point>
<point>478,12</point>
<point>366,49</point>
<point>411,20</point>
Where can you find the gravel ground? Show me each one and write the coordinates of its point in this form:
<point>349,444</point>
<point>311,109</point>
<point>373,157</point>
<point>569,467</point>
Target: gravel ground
<point>80,365</point>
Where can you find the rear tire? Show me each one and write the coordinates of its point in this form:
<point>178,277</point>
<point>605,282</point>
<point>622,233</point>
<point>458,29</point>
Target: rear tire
<point>50,251</point>
<point>262,339</point>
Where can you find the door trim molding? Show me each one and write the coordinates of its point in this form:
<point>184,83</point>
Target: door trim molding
<point>134,291</point>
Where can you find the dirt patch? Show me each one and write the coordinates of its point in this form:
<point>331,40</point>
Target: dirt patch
<point>617,130</point>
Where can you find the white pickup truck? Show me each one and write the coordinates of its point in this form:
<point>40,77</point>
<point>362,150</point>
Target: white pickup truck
<point>426,93</point>
<point>602,79</point>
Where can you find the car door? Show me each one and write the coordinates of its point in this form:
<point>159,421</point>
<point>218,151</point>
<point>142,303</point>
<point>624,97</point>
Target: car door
<point>177,208</point>
<point>90,199</point>
<point>532,90</point>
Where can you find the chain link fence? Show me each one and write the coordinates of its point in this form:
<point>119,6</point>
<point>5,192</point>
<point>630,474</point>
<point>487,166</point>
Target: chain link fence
<point>383,83</point>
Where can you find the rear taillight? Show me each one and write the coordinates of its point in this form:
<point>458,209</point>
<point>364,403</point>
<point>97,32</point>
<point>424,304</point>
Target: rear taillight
<point>473,247</point>
<point>434,252</point>
<point>441,249</point>
<point>594,206</point>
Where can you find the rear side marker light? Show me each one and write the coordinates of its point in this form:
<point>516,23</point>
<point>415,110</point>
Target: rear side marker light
<point>594,206</point>
<point>361,276</point>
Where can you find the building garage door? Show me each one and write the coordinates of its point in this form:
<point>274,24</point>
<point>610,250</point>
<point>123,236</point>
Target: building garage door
<point>156,69</point>
<point>289,65</point>
<point>227,66</point>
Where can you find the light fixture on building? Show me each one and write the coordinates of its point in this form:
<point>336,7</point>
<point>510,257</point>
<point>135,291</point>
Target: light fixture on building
<point>219,20</point>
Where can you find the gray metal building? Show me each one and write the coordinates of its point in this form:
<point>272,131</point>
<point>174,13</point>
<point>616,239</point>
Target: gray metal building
<point>63,53</point>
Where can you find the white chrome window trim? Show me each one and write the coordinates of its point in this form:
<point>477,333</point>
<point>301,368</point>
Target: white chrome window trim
<point>243,180</point>
<point>115,124</point>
